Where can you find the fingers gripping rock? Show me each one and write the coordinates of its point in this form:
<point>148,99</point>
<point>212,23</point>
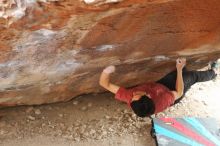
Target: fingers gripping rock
<point>109,69</point>
<point>180,63</point>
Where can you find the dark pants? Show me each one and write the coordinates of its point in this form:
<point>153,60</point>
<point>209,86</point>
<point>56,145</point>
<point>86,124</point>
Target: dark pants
<point>189,78</point>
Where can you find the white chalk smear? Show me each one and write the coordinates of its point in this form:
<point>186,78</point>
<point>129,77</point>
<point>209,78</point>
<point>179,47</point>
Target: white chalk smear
<point>103,48</point>
<point>46,32</point>
<point>160,58</point>
<point>90,1</point>
<point>99,2</point>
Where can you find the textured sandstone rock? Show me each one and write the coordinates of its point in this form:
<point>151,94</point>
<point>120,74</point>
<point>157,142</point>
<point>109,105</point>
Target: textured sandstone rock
<point>100,2</point>
<point>54,50</point>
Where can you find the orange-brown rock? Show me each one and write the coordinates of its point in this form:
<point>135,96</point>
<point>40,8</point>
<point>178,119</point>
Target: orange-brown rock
<point>54,50</point>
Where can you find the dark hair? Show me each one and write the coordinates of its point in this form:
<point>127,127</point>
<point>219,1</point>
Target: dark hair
<point>143,107</point>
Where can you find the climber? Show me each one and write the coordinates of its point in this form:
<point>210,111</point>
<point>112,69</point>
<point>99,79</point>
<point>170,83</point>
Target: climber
<point>154,97</point>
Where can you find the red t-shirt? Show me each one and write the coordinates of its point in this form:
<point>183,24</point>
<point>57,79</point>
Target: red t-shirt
<point>161,95</point>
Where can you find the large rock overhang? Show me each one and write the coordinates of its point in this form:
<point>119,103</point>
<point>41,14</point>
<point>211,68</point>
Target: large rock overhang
<point>54,50</point>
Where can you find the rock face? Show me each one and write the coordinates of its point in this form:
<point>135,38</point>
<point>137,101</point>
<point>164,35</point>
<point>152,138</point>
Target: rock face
<point>54,50</point>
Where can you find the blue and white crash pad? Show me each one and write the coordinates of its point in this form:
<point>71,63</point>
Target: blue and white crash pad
<point>187,131</point>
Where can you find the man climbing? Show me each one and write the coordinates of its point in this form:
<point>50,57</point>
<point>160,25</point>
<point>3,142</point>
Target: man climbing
<point>154,97</point>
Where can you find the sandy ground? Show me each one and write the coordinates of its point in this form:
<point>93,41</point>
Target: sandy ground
<point>97,120</point>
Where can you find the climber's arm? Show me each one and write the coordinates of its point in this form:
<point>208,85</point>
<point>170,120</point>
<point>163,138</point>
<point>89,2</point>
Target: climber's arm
<point>104,80</point>
<point>180,63</point>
